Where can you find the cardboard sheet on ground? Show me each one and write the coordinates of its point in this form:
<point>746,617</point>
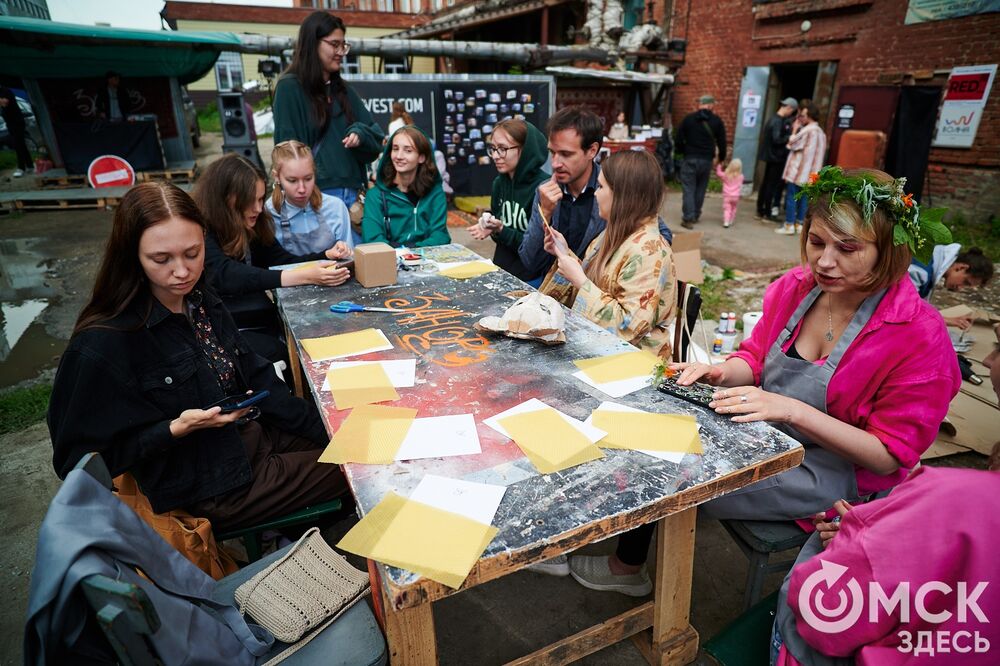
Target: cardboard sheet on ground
<point>616,367</point>
<point>346,344</point>
<point>401,372</point>
<point>669,456</point>
<point>371,434</point>
<point>439,437</point>
<point>589,431</point>
<point>549,442</point>
<point>360,385</point>
<point>475,501</point>
<point>466,269</point>
<point>440,545</point>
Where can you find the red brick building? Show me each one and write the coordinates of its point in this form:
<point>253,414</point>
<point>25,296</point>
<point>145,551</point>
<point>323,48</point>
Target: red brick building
<point>847,53</point>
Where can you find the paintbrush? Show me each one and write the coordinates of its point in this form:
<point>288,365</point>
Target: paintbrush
<point>545,223</point>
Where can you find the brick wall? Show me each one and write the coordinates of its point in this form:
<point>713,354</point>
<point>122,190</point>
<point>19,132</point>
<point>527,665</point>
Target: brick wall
<point>872,47</point>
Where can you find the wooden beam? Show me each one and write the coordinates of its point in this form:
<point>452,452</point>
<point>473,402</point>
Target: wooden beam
<point>410,634</point>
<point>592,639</point>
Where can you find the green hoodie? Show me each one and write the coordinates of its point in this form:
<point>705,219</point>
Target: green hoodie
<point>512,198</point>
<point>336,166</point>
<point>420,225</point>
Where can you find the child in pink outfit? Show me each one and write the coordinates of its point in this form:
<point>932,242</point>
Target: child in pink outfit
<point>732,183</point>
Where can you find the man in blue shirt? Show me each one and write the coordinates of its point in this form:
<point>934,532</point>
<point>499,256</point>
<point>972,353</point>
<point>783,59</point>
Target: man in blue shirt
<point>567,199</point>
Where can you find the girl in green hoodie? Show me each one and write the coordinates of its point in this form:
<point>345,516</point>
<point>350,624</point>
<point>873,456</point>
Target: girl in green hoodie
<point>407,206</point>
<point>519,151</point>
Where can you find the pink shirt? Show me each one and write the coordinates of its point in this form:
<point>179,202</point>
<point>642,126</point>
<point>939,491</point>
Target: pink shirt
<point>806,151</point>
<point>939,526</point>
<point>895,381</point>
<point>731,186</point>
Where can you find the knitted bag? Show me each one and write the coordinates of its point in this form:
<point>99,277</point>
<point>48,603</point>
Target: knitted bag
<point>305,590</point>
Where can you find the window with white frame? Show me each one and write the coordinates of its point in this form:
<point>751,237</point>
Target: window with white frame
<point>396,66</point>
<point>410,6</point>
<point>350,64</point>
<point>229,71</point>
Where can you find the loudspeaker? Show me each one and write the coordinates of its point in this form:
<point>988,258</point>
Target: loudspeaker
<point>234,120</point>
<point>248,151</point>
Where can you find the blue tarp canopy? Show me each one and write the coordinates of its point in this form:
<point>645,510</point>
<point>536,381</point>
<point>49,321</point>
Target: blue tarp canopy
<point>38,49</point>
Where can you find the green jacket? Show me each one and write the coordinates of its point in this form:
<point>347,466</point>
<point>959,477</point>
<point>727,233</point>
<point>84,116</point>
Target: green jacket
<point>511,201</point>
<point>336,166</point>
<point>390,216</point>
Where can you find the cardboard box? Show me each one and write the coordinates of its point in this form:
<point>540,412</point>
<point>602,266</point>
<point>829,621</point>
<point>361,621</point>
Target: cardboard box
<point>687,256</point>
<point>374,264</point>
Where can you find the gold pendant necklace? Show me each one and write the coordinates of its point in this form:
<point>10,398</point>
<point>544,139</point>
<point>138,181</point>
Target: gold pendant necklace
<point>829,318</point>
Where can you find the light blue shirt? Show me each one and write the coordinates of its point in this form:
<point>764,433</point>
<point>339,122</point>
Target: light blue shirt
<point>303,231</point>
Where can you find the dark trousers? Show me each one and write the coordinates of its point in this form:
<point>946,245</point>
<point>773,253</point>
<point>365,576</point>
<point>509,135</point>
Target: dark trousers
<point>24,161</point>
<point>694,181</point>
<point>286,478</point>
<point>769,195</point>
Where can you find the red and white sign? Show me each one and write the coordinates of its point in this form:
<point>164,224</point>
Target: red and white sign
<point>963,105</point>
<point>968,87</point>
<point>110,171</point>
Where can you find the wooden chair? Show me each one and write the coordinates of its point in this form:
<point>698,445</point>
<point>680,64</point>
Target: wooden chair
<point>758,539</point>
<point>127,616</point>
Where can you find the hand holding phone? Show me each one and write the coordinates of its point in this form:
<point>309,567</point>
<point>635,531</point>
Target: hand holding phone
<point>239,401</point>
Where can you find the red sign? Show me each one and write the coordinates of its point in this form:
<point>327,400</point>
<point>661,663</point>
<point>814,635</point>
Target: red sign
<point>968,87</point>
<point>109,171</point>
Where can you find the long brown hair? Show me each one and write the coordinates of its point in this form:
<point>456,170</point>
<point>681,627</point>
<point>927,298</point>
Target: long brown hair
<point>120,279</point>
<point>285,152</point>
<point>225,189</point>
<point>427,173</point>
<point>306,67</point>
<point>399,111</point>
<point>637,184</point>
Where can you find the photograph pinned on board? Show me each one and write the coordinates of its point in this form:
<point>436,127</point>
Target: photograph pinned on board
<point>459,95</point>
<point>480,93</point>
<point>448,94</point>
<point>479,111</point>
<point>495,98</point>
<point>472,159</point>
<point>519,116</point>
<point>529,108</point>
<point>450,129</point>
<point>525,98</point>
<point>461,152</point>
<point>479,145</point>
<point>471,122</point>
<point>475,134</point>
<point>491,108</point>
<point>487,129</point>
<point>450,149</point>
<point>504,108</point>
<point>466,141</point>
<point>460,117</point>
<point>470,102</point>
<point>455,138</point>
<point>449,120</point>
<point>511,94</point>
<point>460,129</point>
<point>492,118</point>
<point>484,160</point>
<point>452,161</point>
<point>515,107</point>
<point>449,107</point>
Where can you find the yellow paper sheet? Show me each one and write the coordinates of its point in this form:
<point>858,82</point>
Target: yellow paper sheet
<point>616,367</point>
<point>345,344</point>
<point>548,441</point>
<point>676,433</point>
<point>360,385</point>
<point>469,270</point>
<point>437,544</point>
<point>371,434</point>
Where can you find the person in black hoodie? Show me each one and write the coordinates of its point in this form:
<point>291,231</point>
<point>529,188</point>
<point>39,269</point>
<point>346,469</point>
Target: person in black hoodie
<point>152,355</point>
<point>774,152</point>
<point>519,152</point>
<point>240,247</point>
<point>701,138</point>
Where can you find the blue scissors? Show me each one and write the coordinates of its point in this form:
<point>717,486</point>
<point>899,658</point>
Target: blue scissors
<point>348,306</point>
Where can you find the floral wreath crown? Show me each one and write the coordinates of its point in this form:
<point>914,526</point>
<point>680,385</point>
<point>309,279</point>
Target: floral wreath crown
<point>920,229</point>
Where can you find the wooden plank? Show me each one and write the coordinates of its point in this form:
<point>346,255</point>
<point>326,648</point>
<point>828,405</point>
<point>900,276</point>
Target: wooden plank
<point>591,640</point>
<point>294,365</point>
<point>410,635</point>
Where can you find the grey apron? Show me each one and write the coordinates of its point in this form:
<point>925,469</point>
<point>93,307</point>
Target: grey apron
<point>823,477</point>
<point>320,237</point>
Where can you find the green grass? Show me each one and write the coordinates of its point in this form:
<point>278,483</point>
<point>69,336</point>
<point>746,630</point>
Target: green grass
<point>208,118</point>
<point>969,234</point>
<point>715,298</point>
<point>23,407</point>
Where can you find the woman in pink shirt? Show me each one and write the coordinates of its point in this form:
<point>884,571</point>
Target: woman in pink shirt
<point>847,359</point>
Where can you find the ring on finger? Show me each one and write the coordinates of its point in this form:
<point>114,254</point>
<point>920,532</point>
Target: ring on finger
<point>743,398</point>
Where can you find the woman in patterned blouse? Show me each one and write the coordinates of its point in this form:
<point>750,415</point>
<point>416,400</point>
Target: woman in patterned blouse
<point>626,283</point>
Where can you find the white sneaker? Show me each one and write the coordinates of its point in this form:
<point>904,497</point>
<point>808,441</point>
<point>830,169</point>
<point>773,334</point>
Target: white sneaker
<point>17,173</point>
<point>785,230</point>
<point>593,572</point>
<point>775,212</point>
<point>557,566</point>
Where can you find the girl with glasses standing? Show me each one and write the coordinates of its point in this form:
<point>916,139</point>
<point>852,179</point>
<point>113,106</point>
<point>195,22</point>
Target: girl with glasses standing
<point>519,151</point>
<point>314,105</point>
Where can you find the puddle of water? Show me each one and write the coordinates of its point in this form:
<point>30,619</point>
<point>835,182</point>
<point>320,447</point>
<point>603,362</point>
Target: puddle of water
<point>25,347</point>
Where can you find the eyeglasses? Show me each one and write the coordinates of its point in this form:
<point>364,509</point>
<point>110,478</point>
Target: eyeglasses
<point>338,47</point>
<point>499,151</point>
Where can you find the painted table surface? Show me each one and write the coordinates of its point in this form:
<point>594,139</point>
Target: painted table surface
<point>461,371</point>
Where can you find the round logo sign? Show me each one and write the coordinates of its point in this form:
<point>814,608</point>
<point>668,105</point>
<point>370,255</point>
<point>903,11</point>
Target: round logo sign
<point>109,171</point>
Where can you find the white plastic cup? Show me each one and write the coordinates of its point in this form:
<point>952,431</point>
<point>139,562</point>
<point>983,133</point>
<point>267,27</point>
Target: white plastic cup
<point>728,342</point>
<point>750,320</point>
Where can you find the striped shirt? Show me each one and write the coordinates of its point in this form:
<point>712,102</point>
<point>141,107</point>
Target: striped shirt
<point>807,149</point>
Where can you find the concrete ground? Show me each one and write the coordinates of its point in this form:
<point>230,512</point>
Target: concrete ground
<point>486,625</point>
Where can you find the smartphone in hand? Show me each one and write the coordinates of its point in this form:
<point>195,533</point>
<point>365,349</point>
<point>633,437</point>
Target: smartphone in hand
<point>239,401</point>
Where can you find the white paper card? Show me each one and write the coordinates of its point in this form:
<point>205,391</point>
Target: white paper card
<point>476,501</point>
<point>440,436</point>
<point>669,456</point>
<point>616,389</point>
<point>587,430</point>
<point>402,373</point>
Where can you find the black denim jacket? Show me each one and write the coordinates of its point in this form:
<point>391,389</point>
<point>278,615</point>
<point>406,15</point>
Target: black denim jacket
<point>119,385</point>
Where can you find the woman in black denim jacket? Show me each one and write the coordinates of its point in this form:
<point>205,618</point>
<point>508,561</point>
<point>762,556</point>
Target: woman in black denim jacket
<point>151,351</point>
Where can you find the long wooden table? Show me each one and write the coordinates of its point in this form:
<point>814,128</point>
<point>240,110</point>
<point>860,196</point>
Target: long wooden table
<point>460,371</point>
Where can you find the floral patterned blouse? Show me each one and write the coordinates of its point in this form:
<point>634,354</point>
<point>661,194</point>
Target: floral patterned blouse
<point>642,290</point>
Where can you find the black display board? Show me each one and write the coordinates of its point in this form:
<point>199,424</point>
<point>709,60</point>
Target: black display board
<point>459,114</point>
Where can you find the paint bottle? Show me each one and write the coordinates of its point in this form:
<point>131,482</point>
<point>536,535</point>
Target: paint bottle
<point>723,322</point>
<point>717,345</point>
<point>732,322</point>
